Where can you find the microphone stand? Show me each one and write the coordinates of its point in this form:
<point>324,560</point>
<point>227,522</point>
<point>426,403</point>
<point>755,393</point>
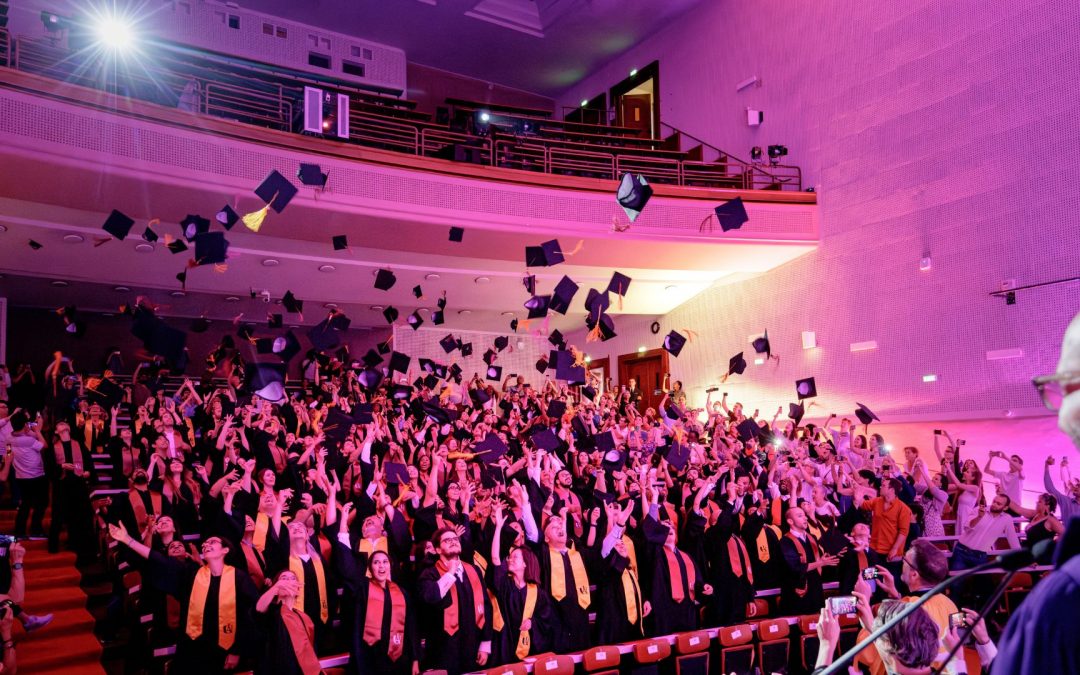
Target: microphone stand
<point>850,654</point>
<point>995,597</point>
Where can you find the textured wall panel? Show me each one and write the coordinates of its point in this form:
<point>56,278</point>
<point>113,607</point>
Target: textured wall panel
<point>946,129</point>
<point>520,357</point>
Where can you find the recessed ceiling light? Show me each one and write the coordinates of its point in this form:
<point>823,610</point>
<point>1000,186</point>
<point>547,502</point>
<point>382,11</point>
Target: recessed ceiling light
<point>144,248</point>
<point>59,283</point>
<point>327,268</point>
<point>425,310</point>
<point>121,289</point>
<point>508,314</point>
<point>231,298</point>
<point>3,228</point>
<point>107,314</point>
<point>482,280</point>
<point>294,327</point>
<point>376,308</point>
<point>330,305</point>
<point>270,262</point>
<point>432,276</point>
<point>464,312</point>
<point>74,238</point>
<point>671,288</point>
<point>178,294</point>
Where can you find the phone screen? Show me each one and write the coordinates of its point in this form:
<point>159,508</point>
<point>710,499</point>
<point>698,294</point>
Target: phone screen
<point>842,604</point>
<point>957,620</point>
<point>870,573</point>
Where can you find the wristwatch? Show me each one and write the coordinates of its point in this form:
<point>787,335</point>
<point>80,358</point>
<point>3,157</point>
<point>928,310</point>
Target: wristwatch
<point>17,566</point>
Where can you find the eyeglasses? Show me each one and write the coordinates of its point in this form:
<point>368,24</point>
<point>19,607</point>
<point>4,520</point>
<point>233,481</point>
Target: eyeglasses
<point>452,537</point>
<point>1053,388</point>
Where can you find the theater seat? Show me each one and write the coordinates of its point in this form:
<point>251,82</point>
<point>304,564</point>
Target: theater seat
<point>601,660</point>
<point>508,669</point>
<point>808,640</point>
<point>736,650</point>
<point>553,664</point>
<point>648,654</point>
<point>774,648</point>
<point>757,608</point>
<point>849,631</point>
<point>692,651</point>
<point>1019,587</point>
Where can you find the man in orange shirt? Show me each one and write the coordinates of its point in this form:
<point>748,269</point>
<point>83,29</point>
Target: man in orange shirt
<point>890,520</point>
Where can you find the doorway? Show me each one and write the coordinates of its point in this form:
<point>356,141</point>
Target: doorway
<point>636,101</point>
<point>648,369</point>
<point>602,369</point>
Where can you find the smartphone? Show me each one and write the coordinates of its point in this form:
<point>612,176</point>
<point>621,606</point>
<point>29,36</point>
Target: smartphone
<point>937,432</point>
<point>711,390</point>
<point>842,604</point>
<point>871,573</point>
<point>958,620</point>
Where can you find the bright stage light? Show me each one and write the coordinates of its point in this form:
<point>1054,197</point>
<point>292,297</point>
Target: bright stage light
<point>115,33</point>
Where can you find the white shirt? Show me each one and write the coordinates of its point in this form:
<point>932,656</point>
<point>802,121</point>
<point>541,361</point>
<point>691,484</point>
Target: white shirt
<point>989,529</point>
<point>28,461</point>
<point>1010,484</point>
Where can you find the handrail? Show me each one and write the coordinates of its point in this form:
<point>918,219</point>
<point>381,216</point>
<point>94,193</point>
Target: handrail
<point>727,156</point>
<point>5,47</point>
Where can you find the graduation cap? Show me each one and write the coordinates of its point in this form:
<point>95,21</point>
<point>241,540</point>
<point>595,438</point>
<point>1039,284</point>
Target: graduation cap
<point>385,280</point>
<point>538,306</point>
<point>291,304</point>
<point>466,349</point>
<point>545,255</point>
<point>227,217</point>
<point>438,318</point>
<point>480,396</point>
<point>556,408</point>
<point>276,191</point>
<point>275,320</point>
<point>72,324</point>
<point>633,194</point>
<point>286,347</point>
<point>494,373</point>
<point>796,412</point>
<point>865,415</point>
<point>530,284</point>
<point>731,215</point>
<point>245,330</point>
<point>194,225</point>
<point>415,320</point>
<point>177,246</point>
<point>544,438</point>
<point>399,362</point>
<point>491,449</point>
<point>514,324</point>
<point>588,392</point>
<point>200,325</point>
<point>264,345</point>
<point>418,292</point>
<point>369,378</point>
<point>542,364</point>
<point>118,225</point>
<point>105,392</point>
<point>678,455</point>
<point>456,233</point>
<point>338,422</point>
<point>34,245</point>
<point>604,442</point>
<point>762,346</point>
<point>556,338</point>
<point>158,337</point>
<point>736,364</point>
<point>339,320</point>
<point>619,284</point>
<point>563,295</point>
<point>748,429</point>
<point>396,472</point>
<point>400,392</point>
<point>149,235</point>
<point>805,388</point>
<point>597,302</point>
<point>489,356</point>
<point>372,358</point>
<point>501,342</point>
<point>211,248</point>
<point>266,380</point>
<point>448,343</point>
<point>340,241</point>
<point>426,365</point>
<point>566,370</point>
<point>604,327</point>
<point>311,175</point>
<point>454,373</point>
<point>390,314</point>
<point>674,342</point>
<point>323,337</point>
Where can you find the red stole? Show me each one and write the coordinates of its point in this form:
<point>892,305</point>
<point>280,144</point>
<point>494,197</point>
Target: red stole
<point>678,594</point>
<point>301,632</point>
<point>450,614</point>
<point>802,556</point>
<point>373,619</point>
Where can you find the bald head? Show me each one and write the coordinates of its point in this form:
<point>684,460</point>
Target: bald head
<point>1069,415</point>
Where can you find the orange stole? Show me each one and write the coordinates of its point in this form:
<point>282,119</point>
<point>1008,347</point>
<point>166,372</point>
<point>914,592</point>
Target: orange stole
<point>139,507</point>
<point>301,632</point>
<point>678,593</point>
<point>450,614</point>
<point>296,566</point>
<point>739,558</point>
<point>374,617</point>
<point>802,556</point>
<point>226,606</point>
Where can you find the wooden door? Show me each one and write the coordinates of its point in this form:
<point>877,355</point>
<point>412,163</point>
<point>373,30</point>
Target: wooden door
<point>648,369</point>
<point>635,111</point>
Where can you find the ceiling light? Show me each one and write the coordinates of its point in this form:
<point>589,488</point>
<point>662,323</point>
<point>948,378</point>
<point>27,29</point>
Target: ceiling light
<point>464,312</point>
<point>59,283</point>
<point>929,378</point>
<point>926,264</point>
<point>231,298</point>
<point>178,294</point>
<point>425,310</point>
<point>330,305</point>
<point>482,280</point>
<point>641,349</point>
<point>584,102</point>
<point>270,262</point>
<point>671,288</point>
<point>3,228</point>
<point>144,248</point>
<point>633,72</point>
<point>327,268</point>
<point>107,314</point>
<point>121,289</point>
<point>115,33</point>
<point>431,276</point>
<point>508,314</point>
<point>376,308</point>
<point>588,359</point>
<point>484,117</point>
<point>74,238</point>
<point>758,362</point>
<point>809,339</point>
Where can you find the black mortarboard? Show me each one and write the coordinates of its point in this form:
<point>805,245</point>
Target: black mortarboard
<point>426,365</point>
<point>678,455</point>
<point>158,337</point>
<point>323,337</point>
<point>480,396</point>
<point>489,356</point>
<point>865,415</point>
<point>399,362</point>
<point>390,314</point>
<point>448,343</point>
<point>538,306</point>
<point>545,255</point>
<point>607,327</point>
<point>106,392</point>
<point>194,225</point>
<point>275,320</point>
<point>588,392</point>
<point>736,364</point>
<point>491,449</point>
<point>604,441</point>
<point>415,320</point>
<point>748,429</point>
<point>383,347</point>
<point>245,330</point>
<point>556,408</point>
<point>385,280</point>
<point>806,388</point>
<point>762,346</point>
<point>597,302</point>
<point>340,241</point>
<point>796,412</point>
<point>311,175</point>
<point>34,245</point>
<point>264,345</point>
<point>177,246</point>
<point>544,439</point>
<point>501,342</point>
<point>149,235</point>
<point>200,325</point>
<point>118,225</point>
<point>466,349</point>
<point>454,373</point>
<point>400,392</point>
<point>541,364</point>
<point>337,424</point>
<point>396,473</point>
<point>291,304</point>
<point>619,284</point>
<point>633,194</point>
<point>227,217</point>
<point>494,373</point>
<point>418,292</point>
<point>456,233</point>
<point>431,381</point>
<point>731,215</point>
<point>287,347</point>
<point>514,324</point>
<point>438,317</point>
<point>530,284</point>
<point>563,295</point>
<point>369,378</point>
<point>211,248</point>
<point>674,342</point>
<point>339,321</point>
<point>372,358</point>
<point>556,338</point>
<point>276,191</point>
<point>566,370</point>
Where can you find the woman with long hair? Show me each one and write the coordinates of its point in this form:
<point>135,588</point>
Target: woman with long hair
<point>289,644</point>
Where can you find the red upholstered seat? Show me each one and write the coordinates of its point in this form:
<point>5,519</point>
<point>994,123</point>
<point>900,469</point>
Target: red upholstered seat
<point>774,647</point>
<point>553,664</point>
<point>736,649</point>
<point>652,650</point>
<point>601,660</point>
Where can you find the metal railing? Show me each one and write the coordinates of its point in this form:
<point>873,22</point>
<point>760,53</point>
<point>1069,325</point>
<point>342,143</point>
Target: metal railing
<point>212,88</point>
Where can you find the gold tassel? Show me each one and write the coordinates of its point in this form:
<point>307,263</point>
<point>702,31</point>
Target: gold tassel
<point>594,334</point>
<point>254,220</point>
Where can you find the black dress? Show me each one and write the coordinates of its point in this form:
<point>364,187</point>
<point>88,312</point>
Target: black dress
<point>512,601</point>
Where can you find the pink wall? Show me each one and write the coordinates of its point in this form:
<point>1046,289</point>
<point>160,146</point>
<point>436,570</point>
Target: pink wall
<point>430,87</point>
<point>928,128</point>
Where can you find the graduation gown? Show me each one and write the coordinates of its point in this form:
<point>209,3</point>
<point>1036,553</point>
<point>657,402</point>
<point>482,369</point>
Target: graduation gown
<point>454,653</point>
<point>669,616</point>
<point>612,622</point>
<point>278,657</point>
<point>512,603</point>
<point>730,568</point>
<point>573,619</point>
<point>851,566</point>
<point>766,557</point>
<point>800,589</point>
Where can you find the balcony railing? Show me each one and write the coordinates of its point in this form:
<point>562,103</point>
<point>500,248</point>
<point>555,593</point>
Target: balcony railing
<point>235,91</point>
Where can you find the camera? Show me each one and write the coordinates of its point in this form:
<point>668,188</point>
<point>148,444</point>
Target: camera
<point>871,573</point>
<point>842,604</point>
<point>712,390</point>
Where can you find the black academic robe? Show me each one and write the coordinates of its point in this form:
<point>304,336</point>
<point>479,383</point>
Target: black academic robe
<point>573,619</point>
<point>667,615</point>
<point>204,655</point>
<point>731,593</point>
<point>800,589</point>
<point>851,566</point>
<point>512,603</point>
<point>763,543</point>
<point>612,624</point>
<point>454,653</point>
<point>276,655</point>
